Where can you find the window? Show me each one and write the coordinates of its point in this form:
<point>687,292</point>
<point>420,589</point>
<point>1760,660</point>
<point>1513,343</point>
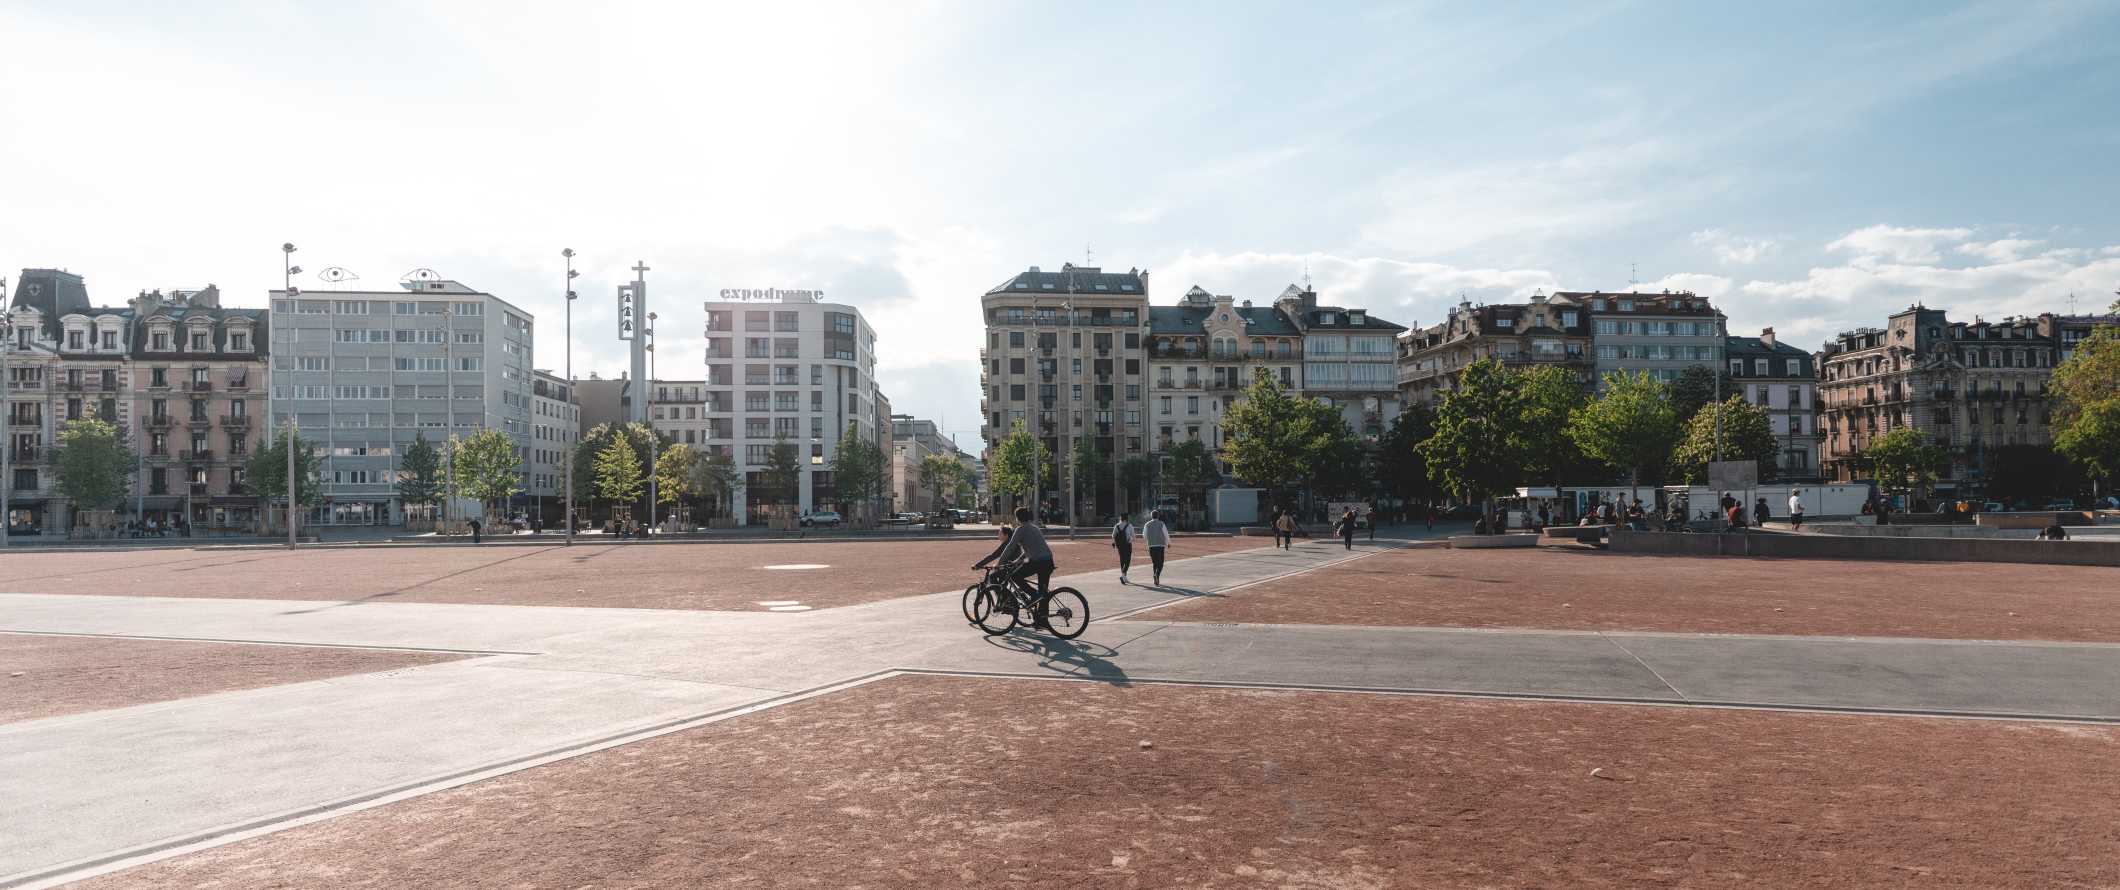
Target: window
<point>787,321</point>
<point>110,341</point>
<point>1015,338</point>
<point>1794,367</point>
<point>469,308</point>
<point>1192,404</point>
<point>470,363</point>
<point>1737,367</point>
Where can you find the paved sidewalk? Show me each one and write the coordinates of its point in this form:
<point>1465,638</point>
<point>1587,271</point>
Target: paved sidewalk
<point>561,680</point>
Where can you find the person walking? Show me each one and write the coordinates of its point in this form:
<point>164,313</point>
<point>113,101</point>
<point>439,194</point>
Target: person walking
<point>1346,528</point>
<point>1431,517</point>
<point>1373,514</point>
<point>1284,530</point>
<point>1157,536</point>
<point>1796,510</point>
<point>1123,541</point>
<point>476,526</point>
<point>1759,512</point>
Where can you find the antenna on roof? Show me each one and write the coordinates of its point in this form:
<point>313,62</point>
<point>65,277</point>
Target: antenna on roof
<point>1088,258</point>
<point>1306,275</point>
<point>2071,302</point>
<point>1631,279</point>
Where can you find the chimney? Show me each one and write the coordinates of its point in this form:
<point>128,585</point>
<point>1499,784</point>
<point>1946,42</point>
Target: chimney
<point>1766,335</point>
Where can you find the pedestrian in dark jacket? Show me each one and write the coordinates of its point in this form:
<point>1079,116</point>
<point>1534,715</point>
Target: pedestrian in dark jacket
<point>1346,528</point>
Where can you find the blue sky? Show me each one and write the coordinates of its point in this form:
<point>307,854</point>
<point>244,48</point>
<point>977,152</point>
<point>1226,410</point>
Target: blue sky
<point>1812,166</point>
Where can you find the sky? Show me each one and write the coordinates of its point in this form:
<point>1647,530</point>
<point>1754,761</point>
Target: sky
<point>1811,166</point>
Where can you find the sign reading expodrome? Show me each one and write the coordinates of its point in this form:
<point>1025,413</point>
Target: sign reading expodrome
<point>771,295</point>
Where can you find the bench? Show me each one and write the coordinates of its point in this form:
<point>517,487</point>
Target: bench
<point>1581,534</point>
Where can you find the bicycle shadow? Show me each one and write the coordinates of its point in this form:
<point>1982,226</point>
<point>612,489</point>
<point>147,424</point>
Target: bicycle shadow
<point>1093,659</point>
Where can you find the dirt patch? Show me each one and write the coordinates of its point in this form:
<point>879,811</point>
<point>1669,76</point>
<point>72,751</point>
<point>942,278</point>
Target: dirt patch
<point>70,675</point>
<point>1565,589</point>
<point>741,576</point>
<point>946,782</point>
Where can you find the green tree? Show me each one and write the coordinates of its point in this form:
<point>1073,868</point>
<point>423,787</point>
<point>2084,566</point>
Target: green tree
<point>1747,434</point>
<point>1694,389</point>
<point>419,481</point>
<point>1400,467</point>
<point>1273,438</point>
<point>1188,469</point>
<point>1903,460</point>
<point>616,472</point>
<point>1091,471</point>
<point>2086,391</point>
<point>1134,474</point>
<point>266,473</point>
<point>673,473</point>
<point>93,465</point>
<point>488,468</point>
<point>2092,439</point>
<point>782,475</point>
<point>939,474</point>
<point>858,470</point>
<point>1630,426</point>
<point>1550,397</point>
<point>1478,447</point>
<point>2026,473</point>
<point>716,476</point>
<point>1013,469</point>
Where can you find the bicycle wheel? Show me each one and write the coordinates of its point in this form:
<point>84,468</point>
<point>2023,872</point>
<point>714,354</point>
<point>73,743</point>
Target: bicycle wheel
<point>1066,613</point>
<point>971,601</point>
<point>997,615</point>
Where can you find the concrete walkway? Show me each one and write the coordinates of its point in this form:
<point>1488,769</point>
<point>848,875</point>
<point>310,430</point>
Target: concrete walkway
<point>85,792</point>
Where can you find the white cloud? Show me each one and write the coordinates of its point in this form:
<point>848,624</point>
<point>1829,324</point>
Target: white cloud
<point>1396,290</point>
<point>1897,244</point>
<point>1734,250</point>
<point>1710,286</point>
<point>2003,250</point>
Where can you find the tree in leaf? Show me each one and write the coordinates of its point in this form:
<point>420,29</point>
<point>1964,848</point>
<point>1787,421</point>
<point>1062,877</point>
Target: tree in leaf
<point>266,473</point>
<point>2086,391</point>
<point>858,468</point>
<point>1903,460</point>
<point>1091,471</point>
<point>615,473</point>
<point>1747,434</point>
<point>488,468</point>
<point>2024,473</point>
<point>94,467</point>
<point>589,452</point>
<point>673,473</point>
<point>1400,467</point>
<point>716,476</point>
<point>782,474</point>
<point>419,481</point>
<point>1134,473</point>
<point>1695,389</point>
<point>1478,448</point>
<point>1013,468</point>
<point>1275,440</point>
<point>2092,439</point>
<point>1188,470</point>
<point>1631,426</point>
<point>1550,396</point>
<point>939,474</point>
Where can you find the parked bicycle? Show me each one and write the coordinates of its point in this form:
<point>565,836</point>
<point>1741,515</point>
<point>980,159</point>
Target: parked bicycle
<point>999,602</point>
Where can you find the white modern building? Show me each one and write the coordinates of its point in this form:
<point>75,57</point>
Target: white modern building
<point>780,366</point>
<point>555,428</point>
<point>365,372</point>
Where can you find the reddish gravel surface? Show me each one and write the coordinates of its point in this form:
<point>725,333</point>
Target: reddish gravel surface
<point>69,675</point>
<point>946,782</point>
<point>1595,590</point>
<point>645,576</point>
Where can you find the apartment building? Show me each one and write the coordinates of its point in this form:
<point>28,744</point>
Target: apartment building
<point>784,368</point>
<point>1064,357</point>
<point>1661,334</point>
<point>555,428</point>
<point>1546,331</point>
<point>365,372</point>
<point>1783,380</point>
<point>1350,359</point>
<point>1970,387</point>
<point>913,441</point>
<point>1203,352</point>
<point>176,373</point>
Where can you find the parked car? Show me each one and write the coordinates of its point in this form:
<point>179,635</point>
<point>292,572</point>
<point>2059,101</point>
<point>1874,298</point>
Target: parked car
<point>1994,507</point>
<point>941,519</point>
<point>2059,505</point>
<point>821,519</point>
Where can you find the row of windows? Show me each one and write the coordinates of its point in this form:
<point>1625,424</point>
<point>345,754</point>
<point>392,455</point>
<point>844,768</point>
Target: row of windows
<point>1656,328</point>
<point>1658,353</point>
<point>379,307</point>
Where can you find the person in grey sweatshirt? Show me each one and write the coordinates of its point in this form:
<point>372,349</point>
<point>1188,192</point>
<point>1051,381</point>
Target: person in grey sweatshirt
<point>1157,536</point>
<point>1028,544</point>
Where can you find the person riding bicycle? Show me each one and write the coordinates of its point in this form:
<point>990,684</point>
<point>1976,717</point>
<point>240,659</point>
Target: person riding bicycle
<point>1028,543</point>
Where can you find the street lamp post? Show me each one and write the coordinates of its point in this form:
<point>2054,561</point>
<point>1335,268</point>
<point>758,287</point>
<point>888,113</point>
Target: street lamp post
<point>1074,357</point>
<point>569,400</point>
<point>287,273</point>
<point>449,391</point>
<point>7,433</point>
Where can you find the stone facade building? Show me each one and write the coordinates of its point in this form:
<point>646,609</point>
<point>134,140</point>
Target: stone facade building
<point>1662,334</point>
<point>1547,331</point>
<point>1350,360</point>
<point>1784,380</point>
<point>1203,352</point>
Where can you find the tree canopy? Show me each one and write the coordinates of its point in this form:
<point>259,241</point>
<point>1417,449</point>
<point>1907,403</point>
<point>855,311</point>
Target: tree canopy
<point>488,469</point>
<point>1478,448</point>
<point>716,476</point>
<point>1550,396</point>
<point>94,467</point>
<point>1014,468</point>
<point>1276,440</point>
<point>782,474</point>
<point>1903,460</point>
<point>1631,425</point>
<point>940,474</point>
<point>2087,401</point>
<point>1400,467</point>
<point>860,468</point>
<point>615,472</point>
<point>419,480</point>
<point>673,473</point>
<point>267,471</point>
<point>1695,389</point>
<point>1188,469</point>
<point>1747,434</point>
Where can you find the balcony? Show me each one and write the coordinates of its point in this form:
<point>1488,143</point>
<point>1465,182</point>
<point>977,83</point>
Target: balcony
<point>24,454</point>
<point>71,385</point>
<point>238,384</point>
<point>197,489</point>
<point>159,422</point>
<point>158,384</point>
<point>199,456</point>
<point>235,421</point>
<point>198,421</point>
<point>202,386</point>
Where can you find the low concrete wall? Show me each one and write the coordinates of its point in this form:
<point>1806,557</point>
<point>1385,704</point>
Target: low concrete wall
<point>2073,552</point>
<point>1485,542</point>
<point>1923,531</point>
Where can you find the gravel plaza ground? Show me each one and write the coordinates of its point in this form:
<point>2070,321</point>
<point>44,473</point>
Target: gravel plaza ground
<point>1348,729</point>
<point>1565,588</point>
<point>726,575</point>
<point>923,781</point>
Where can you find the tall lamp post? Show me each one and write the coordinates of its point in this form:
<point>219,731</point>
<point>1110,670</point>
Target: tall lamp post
<point>287,272</point>
<point>449,390</point>
<point>575,431</point>
<point>647,394</point>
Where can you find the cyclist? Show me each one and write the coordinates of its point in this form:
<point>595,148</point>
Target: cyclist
<point>1028,544</point>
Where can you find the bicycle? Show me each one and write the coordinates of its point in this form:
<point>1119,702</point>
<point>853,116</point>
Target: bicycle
<point>994,576</point>
<point>1002,601</point>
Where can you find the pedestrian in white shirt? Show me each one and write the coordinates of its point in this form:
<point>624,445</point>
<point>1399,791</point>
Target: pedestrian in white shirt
<point>1796,510</point>
<point>1157,536</point>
